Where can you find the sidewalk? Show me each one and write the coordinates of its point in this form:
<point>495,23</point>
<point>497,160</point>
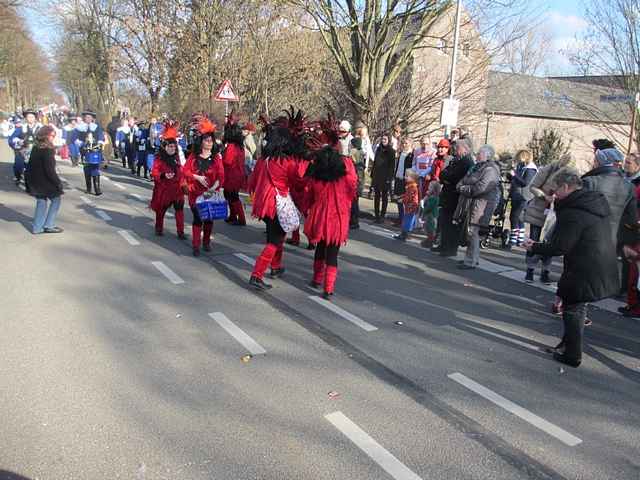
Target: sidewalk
<point>506,263</point>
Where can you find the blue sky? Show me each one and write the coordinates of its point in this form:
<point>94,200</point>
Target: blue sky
<point>563,19</point>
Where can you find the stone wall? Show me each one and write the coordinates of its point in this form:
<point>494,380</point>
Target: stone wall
<point>511,133</point>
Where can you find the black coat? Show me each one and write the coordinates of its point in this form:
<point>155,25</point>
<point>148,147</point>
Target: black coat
<point>398,187</point>
<point>449,177</point>
<point>383,168</point>
<point>583,236</point>
<point>41,175</point>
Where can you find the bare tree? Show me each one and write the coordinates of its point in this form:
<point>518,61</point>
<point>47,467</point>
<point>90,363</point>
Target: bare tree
<point>527,55</point>
<point>610,48</point>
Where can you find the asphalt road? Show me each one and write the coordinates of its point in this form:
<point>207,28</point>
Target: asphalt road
<point>112,369</point>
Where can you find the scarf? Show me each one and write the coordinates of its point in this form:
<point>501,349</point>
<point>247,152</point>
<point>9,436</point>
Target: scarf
<point>203,164</point>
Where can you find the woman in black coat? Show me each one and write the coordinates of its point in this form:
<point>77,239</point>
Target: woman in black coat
<point>44,183</point>
<point>384,164</point>
<point>583,236</point>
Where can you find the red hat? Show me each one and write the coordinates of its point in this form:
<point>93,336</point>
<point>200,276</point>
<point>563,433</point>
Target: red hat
<point>444,143</point>
<point>249,127</point>
<point>170,131</point>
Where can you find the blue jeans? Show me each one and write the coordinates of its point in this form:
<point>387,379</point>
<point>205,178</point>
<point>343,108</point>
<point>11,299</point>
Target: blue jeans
<point>45,219</point>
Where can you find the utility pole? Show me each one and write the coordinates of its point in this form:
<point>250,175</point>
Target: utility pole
<point>454,61</point>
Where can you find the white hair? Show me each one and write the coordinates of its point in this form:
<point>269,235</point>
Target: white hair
<point>488,151</point>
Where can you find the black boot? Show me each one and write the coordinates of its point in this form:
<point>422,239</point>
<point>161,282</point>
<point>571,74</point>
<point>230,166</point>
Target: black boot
<point>96,185</point>
<point>573,317</point>
<point>87,179</point>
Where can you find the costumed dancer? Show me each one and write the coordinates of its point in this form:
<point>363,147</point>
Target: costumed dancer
<point>21,142</point>
<point>167,177</point>
<point>202,172</point>
<point>89,138</point>
<point>275,174</point>
<point>67,134</point>
<point>333,185</point>
<point>235,178</point>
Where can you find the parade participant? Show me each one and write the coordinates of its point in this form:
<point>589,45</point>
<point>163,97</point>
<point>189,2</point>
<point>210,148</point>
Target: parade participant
<point>143,148</point>
<point>89,138</point>
<point>167,177</point>
<point>275,173</point>
<point>67,133</point>
<point>235,178</point>
<point>333,182</point>
<point>112,131</point>
<point>21,142</point>
<point>250,147</point>
<point>202,173</point>
<point>128,144</point>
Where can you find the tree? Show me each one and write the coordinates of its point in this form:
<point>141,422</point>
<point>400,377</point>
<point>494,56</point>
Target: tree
<point>610,48</point>
<point>527,55</point>
<point>548,146</point>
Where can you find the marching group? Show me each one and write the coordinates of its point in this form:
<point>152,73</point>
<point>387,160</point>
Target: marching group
<point>317,170</point>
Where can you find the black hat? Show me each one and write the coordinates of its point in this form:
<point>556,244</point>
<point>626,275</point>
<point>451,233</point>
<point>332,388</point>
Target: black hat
<point>90,112</point>
<point>29,111</point>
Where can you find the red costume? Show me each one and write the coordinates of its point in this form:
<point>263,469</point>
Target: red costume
<point>235,178</point>
<point>275,174</point>
<point>167,191</point>
<point>211,168</point>
<point>330,207</point>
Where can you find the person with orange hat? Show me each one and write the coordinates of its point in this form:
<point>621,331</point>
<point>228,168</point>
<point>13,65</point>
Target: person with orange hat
<point>203,172</point>
<point>167,180</point>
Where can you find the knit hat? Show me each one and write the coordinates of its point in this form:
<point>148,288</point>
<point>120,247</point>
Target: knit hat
<point>609,156</point>
<point>345,126</point>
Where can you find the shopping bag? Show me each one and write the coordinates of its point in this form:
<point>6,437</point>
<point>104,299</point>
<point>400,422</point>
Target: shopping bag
<point>212,208</point>
<point>288,214</point>
<point>549,225</point>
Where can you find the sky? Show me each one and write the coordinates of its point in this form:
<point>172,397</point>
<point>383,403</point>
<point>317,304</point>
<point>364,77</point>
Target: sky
<point>563,19</point>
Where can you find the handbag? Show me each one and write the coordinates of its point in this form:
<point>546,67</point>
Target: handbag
<point>212,208</point>
<point>288,214</point>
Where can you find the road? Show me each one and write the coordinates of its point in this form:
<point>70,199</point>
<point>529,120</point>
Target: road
<point>115,366</point>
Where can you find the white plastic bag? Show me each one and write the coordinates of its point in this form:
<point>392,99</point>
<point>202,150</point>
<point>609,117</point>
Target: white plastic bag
<point>288,214</point>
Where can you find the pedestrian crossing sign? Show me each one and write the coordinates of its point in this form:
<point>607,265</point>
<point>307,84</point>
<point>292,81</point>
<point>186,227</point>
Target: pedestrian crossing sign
<point>225,93</point>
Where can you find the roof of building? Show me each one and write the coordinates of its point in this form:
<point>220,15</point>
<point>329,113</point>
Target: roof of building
<point>540,97</point>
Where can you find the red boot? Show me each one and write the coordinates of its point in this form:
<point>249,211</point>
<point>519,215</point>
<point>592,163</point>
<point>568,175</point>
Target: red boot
<point>330,281</point>
<point>207,228</point>
<point>180,224</point>
<point>159,222</point>
<point>318,274</point>
<point>262,262</point>
<point>196,232</point>
<point>277,270</point>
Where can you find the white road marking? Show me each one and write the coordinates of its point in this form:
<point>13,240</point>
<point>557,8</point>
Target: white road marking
<point>103,215</point>
<point>106,178</point>
<point>167,272</point>
<point>170,215</point>
<point>377,231</point>
<point>63,179</point>
<point>86,200</point>
<point>547,427</point>
<point>367,327</point>
<point>245,258</point>
<point>236,332</point>
<point>137,197</point>
<point>121,187</point>
<point>375,451</point>
<point>128,237</point>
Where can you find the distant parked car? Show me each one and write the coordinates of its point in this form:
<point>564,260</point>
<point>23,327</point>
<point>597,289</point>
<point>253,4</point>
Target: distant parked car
<point>6,128</point>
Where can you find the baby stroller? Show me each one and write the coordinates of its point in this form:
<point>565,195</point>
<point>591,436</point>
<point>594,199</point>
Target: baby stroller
<point>496,232</point>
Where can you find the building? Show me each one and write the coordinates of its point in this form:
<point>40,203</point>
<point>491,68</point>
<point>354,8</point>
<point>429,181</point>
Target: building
<point>581,108</point>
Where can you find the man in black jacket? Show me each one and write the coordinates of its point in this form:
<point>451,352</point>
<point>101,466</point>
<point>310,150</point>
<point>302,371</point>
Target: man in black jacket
<point>449,177</point>
<point>583,236</point>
